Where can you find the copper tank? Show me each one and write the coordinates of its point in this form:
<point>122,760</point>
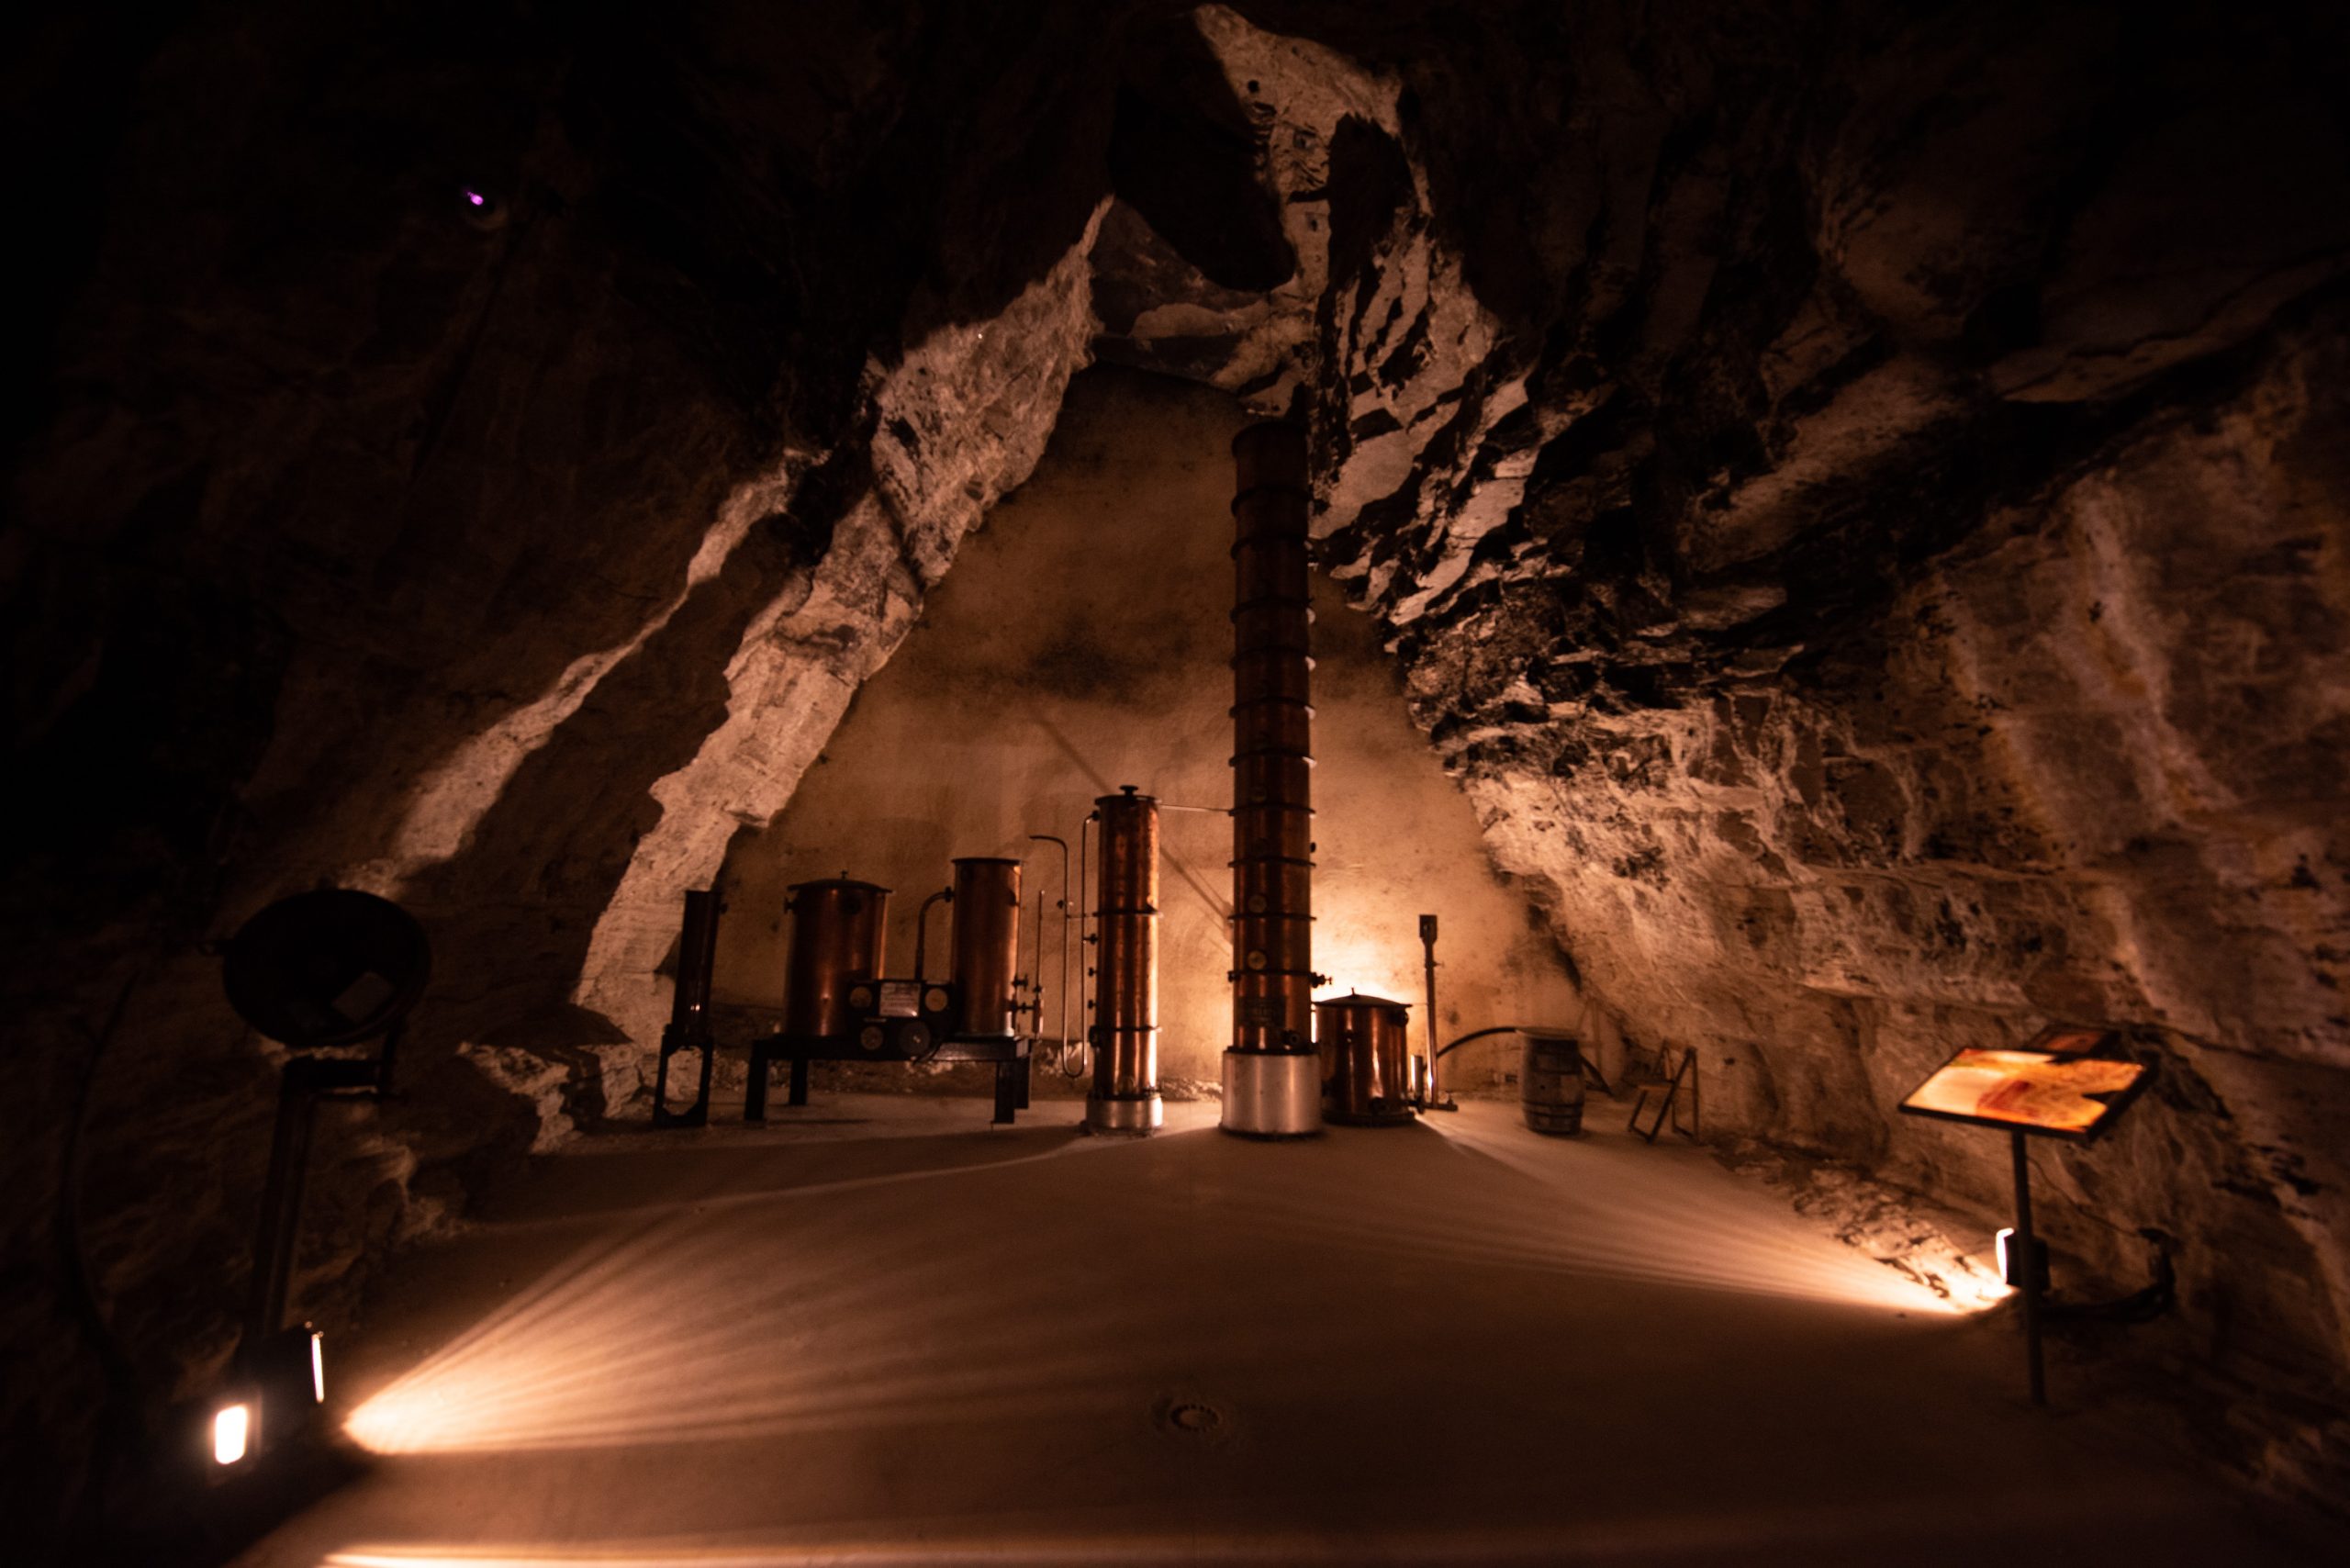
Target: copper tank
<point>1272,794</point>
<point>987,943</point>
<point>838,926</point>
<point>1125,958</point>
<point>1366,1062</point>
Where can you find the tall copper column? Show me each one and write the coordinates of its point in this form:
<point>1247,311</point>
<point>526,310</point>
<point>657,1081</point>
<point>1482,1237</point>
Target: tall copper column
<point>1272,1080</point>
<point>1125,959</point>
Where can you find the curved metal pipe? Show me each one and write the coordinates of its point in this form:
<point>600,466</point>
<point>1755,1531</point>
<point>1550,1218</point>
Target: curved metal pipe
<point>1084,948</point>
<point>1590,1067</point>
<point>1062,995</point>
<point>922,929</point>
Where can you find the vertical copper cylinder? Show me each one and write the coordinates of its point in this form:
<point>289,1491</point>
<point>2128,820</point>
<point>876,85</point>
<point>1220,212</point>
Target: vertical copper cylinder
<point>1366,1061</point>
<point>697,961</point>
<point>987,943</point>
<point>1272,796</point>
<point>1125,959</point>
<point>838,926</point>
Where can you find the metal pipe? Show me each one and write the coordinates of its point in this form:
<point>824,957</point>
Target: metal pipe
<point>1125,1029</point>
<point>922,930</point>
<point>281,1213</point>
<point>1034,983</point>
<point>1271,1076</point>
<point>1062,996</point>
<point>2030,1252</point>
<point>1435,1094</point>
<point>1084,943</point>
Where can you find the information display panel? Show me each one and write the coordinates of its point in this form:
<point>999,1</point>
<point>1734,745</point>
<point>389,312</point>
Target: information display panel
<point>2063,1084</point>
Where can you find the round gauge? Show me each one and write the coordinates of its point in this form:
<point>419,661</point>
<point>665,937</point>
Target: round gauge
<point>860,997</point>
<point>1256,903</point>
<point>1255,961</point>
<point>914,1038</point>
<point>935,999</point>
<point>872,1037</point>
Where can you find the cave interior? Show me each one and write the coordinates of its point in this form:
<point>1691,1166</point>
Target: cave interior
<point>1827,533</point>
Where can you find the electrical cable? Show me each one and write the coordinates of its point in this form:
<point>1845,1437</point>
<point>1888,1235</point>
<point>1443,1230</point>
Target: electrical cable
<point>116,1415</point>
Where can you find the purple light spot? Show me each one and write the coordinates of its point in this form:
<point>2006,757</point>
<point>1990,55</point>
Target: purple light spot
<point>477,198</point>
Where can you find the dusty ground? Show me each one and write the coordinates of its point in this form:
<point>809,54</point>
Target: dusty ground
<point>877,1332</point>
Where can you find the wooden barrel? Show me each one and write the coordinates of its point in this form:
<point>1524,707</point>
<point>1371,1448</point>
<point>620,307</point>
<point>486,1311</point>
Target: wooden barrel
<point>1550,1082</point>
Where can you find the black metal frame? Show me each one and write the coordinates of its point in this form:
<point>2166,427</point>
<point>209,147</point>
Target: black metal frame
<point>1669,1105</point>
<point>1010,1053</point>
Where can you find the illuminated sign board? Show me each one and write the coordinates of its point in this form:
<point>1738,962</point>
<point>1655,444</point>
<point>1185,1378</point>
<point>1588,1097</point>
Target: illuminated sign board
<point>2063,1084</point>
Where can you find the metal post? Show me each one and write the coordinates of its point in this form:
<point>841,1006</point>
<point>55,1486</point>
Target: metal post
<point>2027,1254</point>
<point>281,1205</point>
<point>1428,948</point>
<point>299,1084</point>
<point>1061,994</point>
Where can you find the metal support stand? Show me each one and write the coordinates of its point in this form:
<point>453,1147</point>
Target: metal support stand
<point>304,1082</point>
<point>1434,1098</point>
<point>688,1026</point>
<point>1011,1090</point>
<point>1669,1105</point>
<point>1008,1053</point>
<point>697,1114</point>
<point>2027,1249</point>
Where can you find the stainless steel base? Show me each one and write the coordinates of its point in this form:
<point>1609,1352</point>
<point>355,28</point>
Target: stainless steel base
<point>1267,1095</point>
<point>1143,1114</point>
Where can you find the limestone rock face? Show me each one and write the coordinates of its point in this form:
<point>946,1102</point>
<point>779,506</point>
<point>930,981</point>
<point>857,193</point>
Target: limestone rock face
<point>1877,602</point>
<point>1857,494</point>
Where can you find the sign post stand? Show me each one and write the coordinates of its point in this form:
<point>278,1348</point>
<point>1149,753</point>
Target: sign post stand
<point>2067,1082</point>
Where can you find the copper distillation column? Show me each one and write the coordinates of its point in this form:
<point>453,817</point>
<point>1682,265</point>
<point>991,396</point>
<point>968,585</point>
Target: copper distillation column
<point>1125,961</point>
<point>1272,1079</point>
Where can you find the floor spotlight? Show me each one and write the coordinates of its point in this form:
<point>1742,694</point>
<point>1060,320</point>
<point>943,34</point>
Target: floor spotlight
<point>2011,1258</point>
<point>331,970</point>
<point>232,1431</point>
<point>281,1382</point>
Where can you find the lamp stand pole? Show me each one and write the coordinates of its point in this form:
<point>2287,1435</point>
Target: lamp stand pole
<point>2027,1253</point>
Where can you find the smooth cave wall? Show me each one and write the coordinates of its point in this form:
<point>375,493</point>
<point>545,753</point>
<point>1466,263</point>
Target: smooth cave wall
<point>1079,646</point>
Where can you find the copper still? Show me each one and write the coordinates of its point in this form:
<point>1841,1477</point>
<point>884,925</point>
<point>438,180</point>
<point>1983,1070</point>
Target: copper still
<point>986,944</point>
<point>1366,1061</point>
<point>1271,1077</point>
<point>838,926</point>
<point>1125,1017</point>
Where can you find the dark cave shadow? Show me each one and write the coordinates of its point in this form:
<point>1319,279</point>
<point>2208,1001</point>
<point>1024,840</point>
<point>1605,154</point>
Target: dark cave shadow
<point>512,914</point>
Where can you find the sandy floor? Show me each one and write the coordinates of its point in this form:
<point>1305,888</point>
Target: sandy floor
<point>876,1332</point>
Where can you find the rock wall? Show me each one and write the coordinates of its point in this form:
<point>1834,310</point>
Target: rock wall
<point>1850,490</point>
<point>1856,499</point>
<point>447,424</point>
